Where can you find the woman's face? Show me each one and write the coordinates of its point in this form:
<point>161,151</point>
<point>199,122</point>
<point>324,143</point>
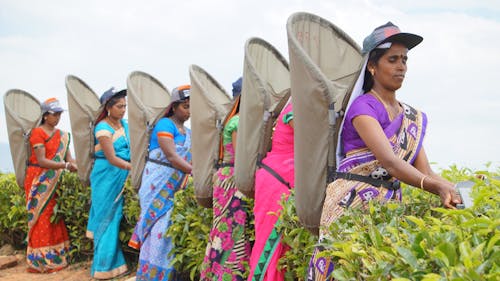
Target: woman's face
<point>181,111</point>
<point>52,119</point>
<point>390,70</point>
<point>117,110</point>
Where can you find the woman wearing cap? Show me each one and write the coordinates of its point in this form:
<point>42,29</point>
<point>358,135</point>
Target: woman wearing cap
<point>107,180</point>
<point>228,248</point>
<point>381,137</point>
<point>166,171</point>
<point>48,241</point>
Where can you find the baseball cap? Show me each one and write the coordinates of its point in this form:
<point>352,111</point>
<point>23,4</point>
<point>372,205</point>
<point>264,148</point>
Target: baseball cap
<point>106,96</point>
<point>389,32</point>
<point>179,94</point>
<point>52,105</point>
<point>237,87</point>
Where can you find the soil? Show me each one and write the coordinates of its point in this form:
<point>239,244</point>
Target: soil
<point>74,272</point>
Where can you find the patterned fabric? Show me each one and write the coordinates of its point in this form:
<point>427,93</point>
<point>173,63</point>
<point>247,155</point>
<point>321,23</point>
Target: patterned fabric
<point>406,136</point>
<point>48,242</point>
<point>107,182</point>
<point>156,194</point>
<point>228,248</point>
<point>268,249</point>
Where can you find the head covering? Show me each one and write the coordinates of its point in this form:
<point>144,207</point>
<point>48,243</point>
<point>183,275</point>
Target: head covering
<point>179,94</point>
<point>51,105</point>
<point>106,96</point>
<point>237,87</point>
<point>389,33</point>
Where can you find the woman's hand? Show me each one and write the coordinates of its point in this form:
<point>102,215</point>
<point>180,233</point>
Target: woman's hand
<point>449,196</point>
<point>72,167</point>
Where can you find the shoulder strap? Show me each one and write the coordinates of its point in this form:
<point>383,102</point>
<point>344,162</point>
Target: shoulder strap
<point>230,115</point>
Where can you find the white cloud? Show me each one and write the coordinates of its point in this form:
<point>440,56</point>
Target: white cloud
<point>451,74</point>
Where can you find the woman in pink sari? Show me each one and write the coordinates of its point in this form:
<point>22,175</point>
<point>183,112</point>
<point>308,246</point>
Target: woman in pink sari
<point>273,180</point>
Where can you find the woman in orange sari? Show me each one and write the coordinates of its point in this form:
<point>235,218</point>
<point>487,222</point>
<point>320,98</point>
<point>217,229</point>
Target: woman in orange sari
<point>47,241</point>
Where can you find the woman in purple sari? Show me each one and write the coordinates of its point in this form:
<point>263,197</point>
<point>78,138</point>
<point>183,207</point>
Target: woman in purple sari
<point>381,138</point>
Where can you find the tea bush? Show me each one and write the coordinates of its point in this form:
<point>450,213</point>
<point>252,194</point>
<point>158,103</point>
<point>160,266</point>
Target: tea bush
<point>412,240</point>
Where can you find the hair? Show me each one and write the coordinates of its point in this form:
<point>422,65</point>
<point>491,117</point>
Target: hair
<point>373,58</point>
<point>112,101</point>
<point>43,117</point>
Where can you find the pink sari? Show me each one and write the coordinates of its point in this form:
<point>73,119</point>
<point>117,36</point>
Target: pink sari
<point>268,249</point>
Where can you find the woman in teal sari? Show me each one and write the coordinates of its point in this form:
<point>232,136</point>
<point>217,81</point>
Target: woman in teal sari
<point>166,171</point>
<point>111,167</point>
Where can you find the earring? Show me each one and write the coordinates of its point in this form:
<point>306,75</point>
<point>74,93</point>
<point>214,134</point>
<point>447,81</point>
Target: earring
<point>372,72</point>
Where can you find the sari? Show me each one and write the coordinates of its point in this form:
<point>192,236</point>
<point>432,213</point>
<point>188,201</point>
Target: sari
<point>48,242</point>
<point>228,248</point>
<point>405,134</point>
<point>106,211</point>
<point>160,181</point>
<point>268,248</point>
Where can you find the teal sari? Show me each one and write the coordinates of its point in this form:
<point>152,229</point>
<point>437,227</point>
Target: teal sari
<point>107,182</point>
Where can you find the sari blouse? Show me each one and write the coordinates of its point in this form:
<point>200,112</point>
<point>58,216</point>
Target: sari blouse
<point>119,139</point>
<point>368,105</point>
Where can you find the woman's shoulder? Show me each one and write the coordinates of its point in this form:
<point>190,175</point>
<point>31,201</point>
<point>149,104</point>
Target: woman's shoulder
<point>103,125</point>
<point>164,123</point>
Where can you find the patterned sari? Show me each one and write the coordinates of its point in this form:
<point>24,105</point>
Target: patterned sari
<point>159,184</point>
<point>107,182</point>
<point>48,242</point>
<point>405,133</point>
<point>228,246</point>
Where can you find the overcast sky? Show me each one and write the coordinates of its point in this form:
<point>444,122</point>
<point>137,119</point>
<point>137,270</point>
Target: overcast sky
<point>451,75</point>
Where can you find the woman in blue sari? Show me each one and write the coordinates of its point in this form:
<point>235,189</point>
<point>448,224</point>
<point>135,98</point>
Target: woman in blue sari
<point>166,171</point>
<point>107,179</point>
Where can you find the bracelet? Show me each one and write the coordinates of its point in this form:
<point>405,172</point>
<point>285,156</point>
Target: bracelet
<point>422,182</point>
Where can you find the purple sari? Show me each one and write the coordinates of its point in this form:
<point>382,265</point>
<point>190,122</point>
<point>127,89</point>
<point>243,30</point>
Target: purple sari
<point>405,134</point>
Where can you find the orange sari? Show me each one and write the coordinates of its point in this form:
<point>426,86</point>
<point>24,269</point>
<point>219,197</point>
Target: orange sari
<point>48,243</point>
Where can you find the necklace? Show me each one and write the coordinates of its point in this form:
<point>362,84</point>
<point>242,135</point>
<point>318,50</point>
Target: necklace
<point>114,125</point>
<point>389,112</point>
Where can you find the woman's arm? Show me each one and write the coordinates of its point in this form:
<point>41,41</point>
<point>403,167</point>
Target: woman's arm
<point>72,164</point>
<point>167,145</point>
<point>374,137</point>
<point>109,152</point>
<point>45,162</point>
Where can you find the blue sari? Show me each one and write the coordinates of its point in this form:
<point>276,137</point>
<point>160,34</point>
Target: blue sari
<point>107,182</point>
<point>159,184</point>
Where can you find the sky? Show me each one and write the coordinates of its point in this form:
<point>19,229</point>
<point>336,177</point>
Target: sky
<point>450,74</point>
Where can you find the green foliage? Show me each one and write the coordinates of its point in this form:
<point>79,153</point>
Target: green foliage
<point>416,240</point>
<point>73,204</point>
<point>412,240</point>
<point>189,231</point>
<point>13,214</point>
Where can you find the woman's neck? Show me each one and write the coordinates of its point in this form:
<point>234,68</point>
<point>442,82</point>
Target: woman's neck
<point>48,128</point>
<point>177,122</point>
<point>386,97</point>
<point>114,122</point>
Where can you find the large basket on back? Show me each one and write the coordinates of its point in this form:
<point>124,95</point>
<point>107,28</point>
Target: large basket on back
<point>22,113</point>
<point>209,104</point>
<point>324,65</point>
<point>148,100</point>
<point>266,82</point>
<point>83,107</point>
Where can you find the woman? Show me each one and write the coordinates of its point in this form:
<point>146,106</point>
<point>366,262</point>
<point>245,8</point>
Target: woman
<point>228,248</point>
<point>272,182</point>
<point>381,137</point>
<point>166,171</point>
<point>48,241</point>
<point>107,180</point>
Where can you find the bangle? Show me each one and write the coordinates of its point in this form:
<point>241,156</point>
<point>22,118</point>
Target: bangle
<point>422,182</point>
